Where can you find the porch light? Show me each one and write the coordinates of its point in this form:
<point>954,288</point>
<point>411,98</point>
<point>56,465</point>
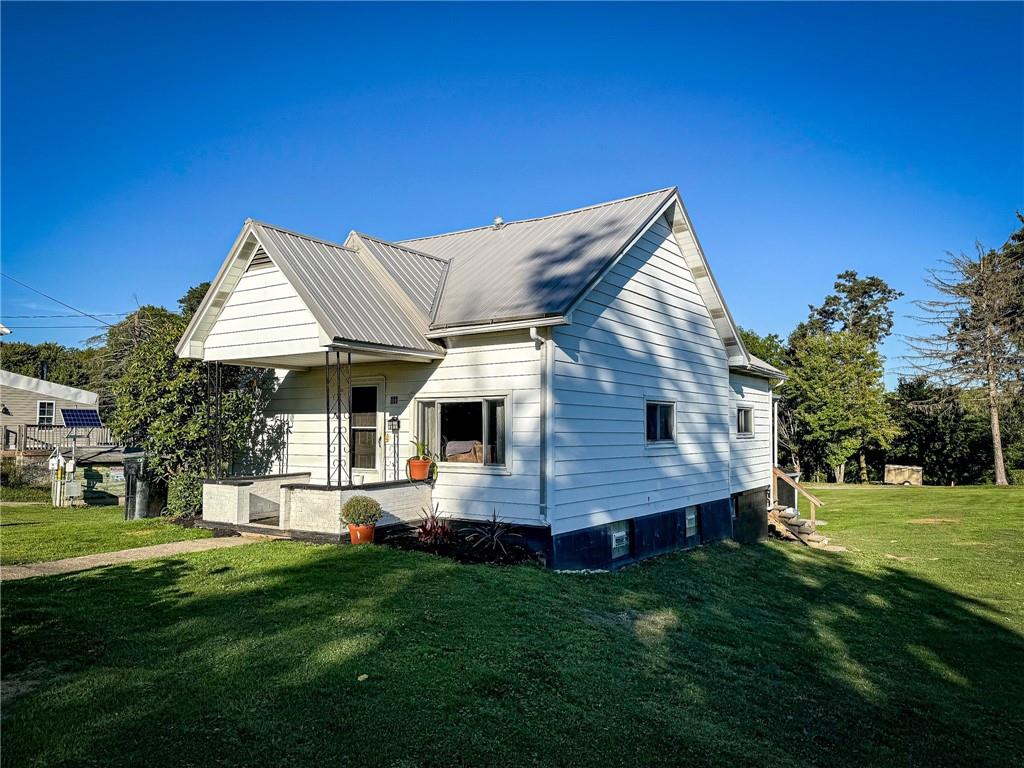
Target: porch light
<point>394,424</point>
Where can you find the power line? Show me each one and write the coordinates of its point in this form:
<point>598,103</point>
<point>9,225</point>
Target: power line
<point>63,304</point>
<point>38,317</point>
<point>49,327</point>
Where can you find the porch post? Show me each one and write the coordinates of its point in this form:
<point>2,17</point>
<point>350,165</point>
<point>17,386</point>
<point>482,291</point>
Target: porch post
<point>338,398</point>
<point>775,446</point>
<point>348,404</point>
<point>327,413</point>
<point>214,417</point>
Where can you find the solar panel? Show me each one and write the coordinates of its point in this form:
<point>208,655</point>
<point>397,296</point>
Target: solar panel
<point>80,417</point>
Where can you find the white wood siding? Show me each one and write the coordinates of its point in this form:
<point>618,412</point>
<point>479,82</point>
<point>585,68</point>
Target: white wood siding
<point>642,333</point>
<point>263,314</point>
<point>751,457</point>
<point>494,364</point>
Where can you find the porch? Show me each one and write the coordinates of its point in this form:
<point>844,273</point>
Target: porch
<point>291,506</point>
<point>343,438</point>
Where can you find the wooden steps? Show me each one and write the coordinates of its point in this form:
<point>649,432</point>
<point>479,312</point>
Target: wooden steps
<point>789,525</point>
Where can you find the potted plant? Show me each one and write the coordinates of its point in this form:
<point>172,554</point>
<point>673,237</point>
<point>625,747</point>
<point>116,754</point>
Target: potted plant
<point>419,465</point>
<point>362,514</point>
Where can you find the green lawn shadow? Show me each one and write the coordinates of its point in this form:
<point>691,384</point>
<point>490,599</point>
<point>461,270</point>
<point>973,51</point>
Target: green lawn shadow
<point>758,655</point>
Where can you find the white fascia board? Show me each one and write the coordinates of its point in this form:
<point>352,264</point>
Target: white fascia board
<point>512,325</point>
<point>727,315</point>
<point>186,346</point>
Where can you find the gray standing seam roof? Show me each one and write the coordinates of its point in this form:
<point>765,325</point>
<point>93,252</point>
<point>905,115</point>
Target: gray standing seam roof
<point>535,267</point>
<point>392,294</point>
<point>420,275</point>
<point>348,302</point>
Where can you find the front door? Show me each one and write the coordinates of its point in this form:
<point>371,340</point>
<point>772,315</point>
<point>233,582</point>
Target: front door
<point>367,433</point>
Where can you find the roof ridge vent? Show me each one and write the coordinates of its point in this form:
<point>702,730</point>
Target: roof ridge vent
<point>498,222</point>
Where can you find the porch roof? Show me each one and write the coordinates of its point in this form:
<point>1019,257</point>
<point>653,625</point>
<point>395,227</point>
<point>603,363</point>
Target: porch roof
<point>355,303</point>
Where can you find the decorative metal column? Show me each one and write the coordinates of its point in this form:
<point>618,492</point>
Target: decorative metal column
<point>214,420</point>
<point>338,392</point>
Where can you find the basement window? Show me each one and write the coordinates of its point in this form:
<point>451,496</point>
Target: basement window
<point>661,420</point>
<point>621,539</point>
<point>691,522</point>
<point>745,422</point>
<point>465,431</point>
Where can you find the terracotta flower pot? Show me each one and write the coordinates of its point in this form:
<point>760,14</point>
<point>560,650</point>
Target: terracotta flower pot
<point>361,534</point>
<point>419,469</point>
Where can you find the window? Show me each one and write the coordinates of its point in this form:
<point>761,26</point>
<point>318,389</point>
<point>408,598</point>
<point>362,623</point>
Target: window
<point>465,431</point>
<point>620,533</point>
<point>364,428</point>
<point>44,412</point>
<point>691,522</point>
<point>661,419</point>
<point>744,421</point>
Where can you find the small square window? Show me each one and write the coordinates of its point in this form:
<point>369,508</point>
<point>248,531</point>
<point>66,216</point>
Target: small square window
<point>661,420</point>
<point>620,539</point>
<point>45,412</point>
<point>744,421</point>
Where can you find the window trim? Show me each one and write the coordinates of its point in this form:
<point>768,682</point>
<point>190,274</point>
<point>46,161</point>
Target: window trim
<point>53,416</point>
<point>664,441</point>
<point>749,434</point>
<point>462,466</point>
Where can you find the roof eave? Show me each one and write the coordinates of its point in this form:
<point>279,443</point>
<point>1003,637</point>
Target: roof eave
<point>756,370</point>
<point>496,325</point>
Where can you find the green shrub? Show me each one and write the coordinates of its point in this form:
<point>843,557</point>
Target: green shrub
<point>361,510</point>
<point>15,472</point>
<point>185,495</point>
<point>24,493</point>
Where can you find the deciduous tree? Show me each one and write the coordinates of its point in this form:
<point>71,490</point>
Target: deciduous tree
<point>839,397</point>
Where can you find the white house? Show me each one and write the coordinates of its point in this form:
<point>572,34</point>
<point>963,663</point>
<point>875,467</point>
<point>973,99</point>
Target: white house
<point>579,374</point>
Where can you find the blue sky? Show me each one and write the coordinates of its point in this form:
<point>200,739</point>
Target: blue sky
<point>805,139</point>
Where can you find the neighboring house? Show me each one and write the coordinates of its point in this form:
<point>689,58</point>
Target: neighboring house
<point>31,417</point>
<point>579,373</point>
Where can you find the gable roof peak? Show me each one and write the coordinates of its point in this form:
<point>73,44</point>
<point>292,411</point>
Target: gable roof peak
<point>506,224</point>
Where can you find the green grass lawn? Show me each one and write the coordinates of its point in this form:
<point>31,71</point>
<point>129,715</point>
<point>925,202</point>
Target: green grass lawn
<point>33,533</point>
<point>906,650</point>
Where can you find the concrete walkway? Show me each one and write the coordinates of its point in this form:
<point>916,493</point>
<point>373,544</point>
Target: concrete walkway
<point>84,563</point>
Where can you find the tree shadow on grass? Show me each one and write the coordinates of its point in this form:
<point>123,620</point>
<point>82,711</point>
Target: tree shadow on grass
<point>762,655</point>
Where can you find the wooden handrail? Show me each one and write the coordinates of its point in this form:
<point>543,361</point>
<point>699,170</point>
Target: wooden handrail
<point>814,500</point>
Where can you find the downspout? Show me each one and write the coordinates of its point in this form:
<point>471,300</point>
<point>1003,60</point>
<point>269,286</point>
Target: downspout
<point>545,393</point>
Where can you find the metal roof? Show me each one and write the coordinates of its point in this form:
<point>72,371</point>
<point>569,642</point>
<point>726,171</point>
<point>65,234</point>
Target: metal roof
<point>11,380</point>
<point>348,301</point>
<point>393,295</point>
<point>534,267</point>
<point>761,368</point>
<point>418,274</point>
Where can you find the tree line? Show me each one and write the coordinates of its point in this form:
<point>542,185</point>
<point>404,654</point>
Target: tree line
<point>957,411</point>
